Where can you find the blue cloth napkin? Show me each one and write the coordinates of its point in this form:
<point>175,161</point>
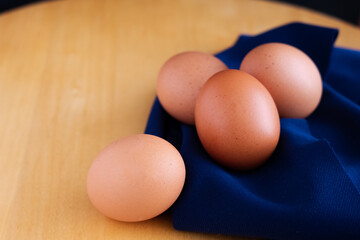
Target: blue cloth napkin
<point>310,187</point>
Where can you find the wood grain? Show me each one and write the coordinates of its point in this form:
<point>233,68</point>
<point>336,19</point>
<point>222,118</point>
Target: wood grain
<point>77,75</point>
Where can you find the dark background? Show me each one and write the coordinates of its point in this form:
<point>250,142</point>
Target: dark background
<point>348,10</point>
<point>6,5</point>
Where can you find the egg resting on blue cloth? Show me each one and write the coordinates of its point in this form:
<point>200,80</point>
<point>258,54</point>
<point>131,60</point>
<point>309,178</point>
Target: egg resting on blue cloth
<point>310,187</point>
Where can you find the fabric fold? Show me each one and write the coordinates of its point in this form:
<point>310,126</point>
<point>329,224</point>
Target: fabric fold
<point>309,188</point>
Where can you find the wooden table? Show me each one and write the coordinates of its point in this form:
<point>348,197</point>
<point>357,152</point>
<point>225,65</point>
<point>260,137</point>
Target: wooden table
<point>76,75</point>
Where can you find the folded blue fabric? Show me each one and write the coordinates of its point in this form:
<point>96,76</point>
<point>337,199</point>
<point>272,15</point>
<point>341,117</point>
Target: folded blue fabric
<point>310,187</point>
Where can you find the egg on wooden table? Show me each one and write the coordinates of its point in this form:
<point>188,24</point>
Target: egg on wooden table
<point>136,178</point>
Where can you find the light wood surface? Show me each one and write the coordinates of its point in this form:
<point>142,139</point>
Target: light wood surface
<point>76,75</point>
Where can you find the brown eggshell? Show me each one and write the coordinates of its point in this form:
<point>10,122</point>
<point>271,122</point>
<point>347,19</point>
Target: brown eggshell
<point>180,80</point>
<point>136,178</point>
<point>237,120</point>
<point>289,75</point>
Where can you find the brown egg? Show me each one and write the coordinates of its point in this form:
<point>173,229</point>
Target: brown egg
<point>237,120</point>
<point>290,76</point>
<point>180,80</point>
<point>136,178</point>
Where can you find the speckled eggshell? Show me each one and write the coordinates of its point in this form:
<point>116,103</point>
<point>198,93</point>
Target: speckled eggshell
<point>180,80</point>
<point>290,76</point>
<point>136,178</point>
<point>237,120</point>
